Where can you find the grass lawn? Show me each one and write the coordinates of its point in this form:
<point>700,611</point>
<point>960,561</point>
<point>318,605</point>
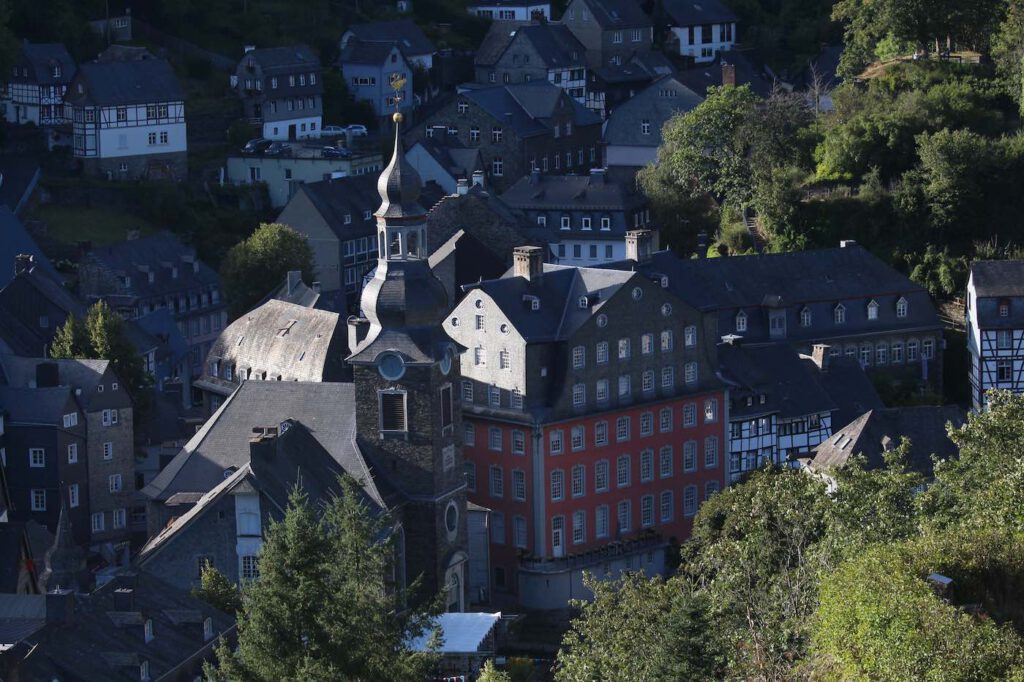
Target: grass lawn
<point>98,225</point>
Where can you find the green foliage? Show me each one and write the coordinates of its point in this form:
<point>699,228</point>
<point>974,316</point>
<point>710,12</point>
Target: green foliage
<point>239,132</point>
<point>942,274</point>
<point>637,628</point>
<point>322,608</point>
<point>216,590</point>
<point>71,340</point>
<point>491,674</point>
<point>254,267</point>
<point>340,107</point>
<point>1008,51</point>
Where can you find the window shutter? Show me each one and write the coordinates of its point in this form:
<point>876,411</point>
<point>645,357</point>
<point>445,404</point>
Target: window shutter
<point>392,412</point>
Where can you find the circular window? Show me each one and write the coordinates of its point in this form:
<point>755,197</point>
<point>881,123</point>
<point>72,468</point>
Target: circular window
<point>451,519</point>
<point>455,322</point>
<point>638,293</point>
<point>391,366</point>
<point>479,303</point>
<point>602,320</point>
<point>446,361</point>
<point>666,309</point>
<point>503,329</point>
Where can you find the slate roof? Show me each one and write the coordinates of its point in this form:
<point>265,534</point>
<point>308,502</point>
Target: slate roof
<point>326,409</point>
<point>555,43</point>
<point>288,59</point>
<point>458,160</point>
<point>294,290</point>
<point>353,196</point>
<point>109,84</point>
<point>19,175</point>
<point>656,104</point>
<point>159,252</point>
<point>20,372</point>
<point>14,550</point>
<point>641,67</point>
<point>370,53</point>
<point>40,59</point>
<point>775,371</point>
<point>15,240</point>
<point>878,430</point>
<point>998,278</point>
<point>289,342</point>
<point>696,12</point>
<point>105,644</point>
<point>497,39</point>
<point>615,14</point>
<point>404,32</point>
<point>34,405</point>
<point>700,78</point>
<point>572,192</point>
<point>524,107</point>
<point>848,386</point>
<point>481,214</point>
<point>558,289</point>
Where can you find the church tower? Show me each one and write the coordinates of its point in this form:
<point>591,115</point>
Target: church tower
<point>406,375</point>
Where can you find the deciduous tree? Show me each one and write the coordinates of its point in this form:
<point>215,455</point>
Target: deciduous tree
<point>254,267</point>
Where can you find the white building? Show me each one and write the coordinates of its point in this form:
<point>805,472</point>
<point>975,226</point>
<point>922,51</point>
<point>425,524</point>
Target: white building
<point>34,92</point>
<point>701,28</point>
<point>511,10</point>
<point>995,328</point>
<point>128,119</point>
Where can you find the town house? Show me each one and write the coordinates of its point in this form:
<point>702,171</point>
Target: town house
<point>281,89</point>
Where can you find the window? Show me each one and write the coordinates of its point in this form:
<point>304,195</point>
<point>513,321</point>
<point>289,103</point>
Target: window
<point>555,443</point>
<point>36,458</point>
<point>447,407</point>
<point>73,495</point>
<point>601,521</point>
<point>624,515</point>
<point>873,310</point>
<point>741,321</point>
<point>474,134</point>
<point>494,438</point>
<point>585,222</point>
<point>710,452</point>
<point>624,386</point>
<point>647,511</point>
<point>646,466</point>
<point>901,307</point>
<point>109,417</point>
<point>479,357</point>
<point>602,391</point>
<point>470,471</point>
<point>519,531</point>
<point>912,349</point>
<point>865,355</point>
<point>557,485</point>
<point>119,518</point>
<point>690,373</point>
<point>690,336</point>
<point>578,440</point>
<point>601,476</point>
<point>97,522</point>
<point>622,471</point>
<point>928,349</point>
<point>579,357</point>
<point>518,442</point>
<point>897,352</point>
<point>467,391</point>
<point>665,457</point>
<point>602,352</point>
<point>710,411</point>
<point>690,456</point>
<point>497,481</point>
<point>646,344</point>
<point>504,360</point>
<point>805,317</point>
<point>636,36</point>
<point>114,483</point>
<point>690,500</point>
<point>70,420</point>
<point>1004,370</point>
<point>624,349</point>
<point>622,429</point>
<point>710,489</point>
<point>839,314</point>
<point>1004,338</point>
<point>617,37</point>
<point>881,354</point>
<point>392,410</point>
<point>497,167</point>
<point>72,453</point>
<point>689,414</point>
<point>645,127</point>
<point>647,381</point>
<point>646,424</point>
<point>519,484</point>
<point>250,568</point>
<point>163,137</point>
<point>665,419</point>
<point>496,135</point>
<point>1004,309</point>
<point>668,377</point>
<point>151,138</point>
<point>578,483</point>
<point>601,433</point>
<point>38,497</point>
<point>565,222</point>
<point>666,340</point>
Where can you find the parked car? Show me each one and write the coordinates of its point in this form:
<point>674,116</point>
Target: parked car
<point>355,130</point>
<point>278,149</point>
<point>332,131</point>
<point>335,153</point>
<point>256,146</point>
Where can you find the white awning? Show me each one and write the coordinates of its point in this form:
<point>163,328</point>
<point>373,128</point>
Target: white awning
<point>461,633</point>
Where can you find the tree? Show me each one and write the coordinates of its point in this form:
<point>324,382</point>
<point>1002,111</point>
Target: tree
<point>491,674</point>
<point>322,608</point>
<point>216,590</point>
<point>71,340</point>
<point>637,628</point>
<point>254,267</point>
<point>1008,51</point>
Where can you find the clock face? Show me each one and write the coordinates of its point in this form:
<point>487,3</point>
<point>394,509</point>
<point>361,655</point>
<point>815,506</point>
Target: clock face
<point>446,361</point>
<point>391,366</point>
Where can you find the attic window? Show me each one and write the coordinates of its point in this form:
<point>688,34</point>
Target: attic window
<point>584,303</point>
<point>1004,309</point>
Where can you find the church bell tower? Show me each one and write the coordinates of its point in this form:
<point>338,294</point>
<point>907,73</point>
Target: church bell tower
<point>406,374</point>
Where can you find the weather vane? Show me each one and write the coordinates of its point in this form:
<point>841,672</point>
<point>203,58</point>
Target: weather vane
<point>397,84</point>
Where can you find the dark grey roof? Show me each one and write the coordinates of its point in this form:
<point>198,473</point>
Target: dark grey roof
<point>40,58</point>
<point>404,32</point>
<point>34,405</point>
<point>106,644</point>
<point>848,386</point>
<point>642,66</point>
<point>294,290</point>
<point>558,290</point>
<point>998,278</point>
<point>595,192</point>
<point>20,175</point>
<point>874,432</point>
<point>695,12</point>
<point>351,196</point>
<point>497,39</point>
<point>656,104</point>
<point>700,78</point>
<point>20,372</point>
<point>555,44</point>
<point>372,53</point>
<point>525,107</point>
<point>776,372</point>
<point>161,253</point>
<point>121,83</point>
<point>15,240</point>
<point>14,550</point>
<point>613,14</point>
<point>326,409</point>
<point>287,341</point>
<point>291,58</point>
<point>458,160</point>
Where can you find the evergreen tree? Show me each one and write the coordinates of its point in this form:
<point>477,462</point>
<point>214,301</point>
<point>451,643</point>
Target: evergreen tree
<point>491,674</point>
<point>322,607</point>
<point>71,340</point>
<point>216,590</point>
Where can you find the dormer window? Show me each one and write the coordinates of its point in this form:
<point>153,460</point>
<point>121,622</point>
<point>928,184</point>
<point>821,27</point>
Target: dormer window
<point>901,307</point>
<point>873,310</point>
<point>144,671</point>
<point>741,321</point>
<point>805,317</point>
<point>56,71</point>
<point>839,314</point>
<point>148,627</point>
<point>565,222</point>
<point>208,629</point>
<point>1004,308</point>
<point>645,127</point>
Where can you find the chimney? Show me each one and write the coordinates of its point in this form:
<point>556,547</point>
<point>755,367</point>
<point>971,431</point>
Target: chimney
<point>124,599</point>
<point>315,287</point>
<point>528,262</point>
<point>462,186</point>
<point>60,606</point>
<point>597,176</point>
<point>294,280</point>
<point>819,354</point>
<point>47,375</point>
<point>478,178</point>
<point>638,245</point>
<point>249,48</point>
<point>846,243</point>
<point>24,262</point>
<point>728,74</point>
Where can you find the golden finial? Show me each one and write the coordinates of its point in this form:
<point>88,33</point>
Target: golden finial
<point>396,117</point>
